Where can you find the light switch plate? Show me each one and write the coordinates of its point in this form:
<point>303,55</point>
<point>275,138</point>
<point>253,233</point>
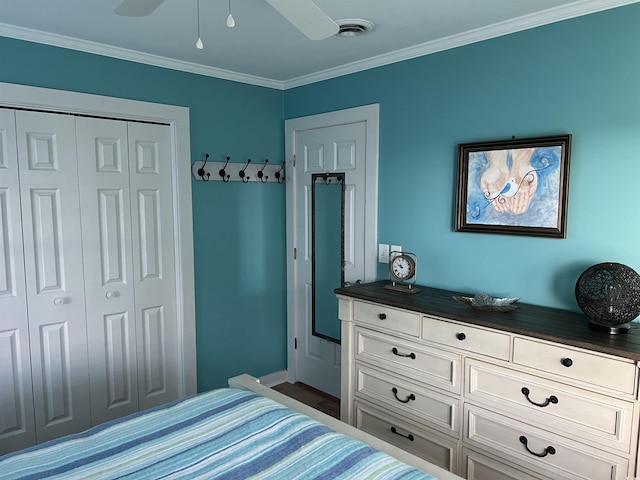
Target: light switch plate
<point>395,248</point>
<point>383,253</point>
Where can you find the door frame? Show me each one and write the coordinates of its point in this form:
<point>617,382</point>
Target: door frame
<point>370,114</point>
<point>62,101</point>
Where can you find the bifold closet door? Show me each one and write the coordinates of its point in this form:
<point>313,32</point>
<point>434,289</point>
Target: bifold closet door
<point>127,222</point>
<point>103,168</point>
<point>16,402</point>
<point>154,268</point>
<point>54,274</point>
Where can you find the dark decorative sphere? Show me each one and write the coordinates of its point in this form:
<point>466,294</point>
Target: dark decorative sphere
<point>609,293</point>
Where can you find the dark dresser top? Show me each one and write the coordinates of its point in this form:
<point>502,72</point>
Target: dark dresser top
<point>561,326</point>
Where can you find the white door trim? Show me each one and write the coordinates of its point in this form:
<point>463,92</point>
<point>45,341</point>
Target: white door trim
<point>371,115</point>
<point>21,96</point>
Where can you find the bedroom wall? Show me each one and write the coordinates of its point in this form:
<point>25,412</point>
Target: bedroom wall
<point>578,76</point>
<point>239,230</point>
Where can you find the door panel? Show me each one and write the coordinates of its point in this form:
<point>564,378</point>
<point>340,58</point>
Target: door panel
<point>103,166</point>
<point>157,334</point>
<point>17,428</point>
<point>329,149</point>
<point>54,274</point>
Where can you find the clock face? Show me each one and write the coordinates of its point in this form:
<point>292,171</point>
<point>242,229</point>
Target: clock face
<point>402,267</point>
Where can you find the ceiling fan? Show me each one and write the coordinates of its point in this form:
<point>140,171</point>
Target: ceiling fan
<point>302,14</point>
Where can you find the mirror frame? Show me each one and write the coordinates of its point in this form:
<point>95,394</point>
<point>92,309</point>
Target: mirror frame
<point>325,178</point>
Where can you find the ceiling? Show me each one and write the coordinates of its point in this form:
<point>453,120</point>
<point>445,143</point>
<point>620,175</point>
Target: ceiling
<point>263,48</point>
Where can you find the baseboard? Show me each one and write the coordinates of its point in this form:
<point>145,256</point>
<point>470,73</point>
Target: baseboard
<point>275,378</point>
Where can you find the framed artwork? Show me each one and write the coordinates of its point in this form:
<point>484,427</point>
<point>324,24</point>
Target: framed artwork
<point>514,187</point>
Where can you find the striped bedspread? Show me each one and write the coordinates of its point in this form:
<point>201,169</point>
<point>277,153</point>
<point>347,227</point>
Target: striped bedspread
<point>224,434</point>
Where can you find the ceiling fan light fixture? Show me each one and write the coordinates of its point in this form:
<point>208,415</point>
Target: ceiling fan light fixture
<point>352,27</point>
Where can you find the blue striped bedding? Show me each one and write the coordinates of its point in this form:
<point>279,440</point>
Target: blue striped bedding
<point>223,434</point>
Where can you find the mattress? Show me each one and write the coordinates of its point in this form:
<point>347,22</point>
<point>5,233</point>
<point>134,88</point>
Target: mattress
<point>223,434</point>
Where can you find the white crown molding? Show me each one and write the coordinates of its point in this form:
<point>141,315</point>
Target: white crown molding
<point>86,46</point>
<point>553,15</point>
<point>557,14</point>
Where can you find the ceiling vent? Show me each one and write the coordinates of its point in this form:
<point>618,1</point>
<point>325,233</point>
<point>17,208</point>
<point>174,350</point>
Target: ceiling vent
<point>353,27</point>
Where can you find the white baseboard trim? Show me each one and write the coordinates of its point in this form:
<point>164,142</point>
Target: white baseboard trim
<point>275,378</point>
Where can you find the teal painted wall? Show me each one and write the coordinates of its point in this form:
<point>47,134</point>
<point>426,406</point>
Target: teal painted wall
<point>579,76</point>
<point>239,230</point>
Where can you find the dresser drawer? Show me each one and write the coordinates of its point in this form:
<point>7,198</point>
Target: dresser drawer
<point>544,451</point>
<point>429,365</point>
<point>477,466</point>
<point>430,445</point>
<point>591,368</point>
<point>594,418</point>
<point>387,318</point>
<point>466,337</point>
<point>438,410</point>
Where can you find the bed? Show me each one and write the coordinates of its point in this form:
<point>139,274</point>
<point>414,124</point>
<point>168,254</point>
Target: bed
<point>245,431</point>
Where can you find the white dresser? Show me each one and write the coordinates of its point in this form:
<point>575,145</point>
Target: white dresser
<point>532,393</point>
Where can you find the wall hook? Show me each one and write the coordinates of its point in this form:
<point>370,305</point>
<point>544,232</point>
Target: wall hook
<point>242,173</point>
<point>201,170</point>
<point>261,172</point>
<point>222,172</point>
<point>278,175</point>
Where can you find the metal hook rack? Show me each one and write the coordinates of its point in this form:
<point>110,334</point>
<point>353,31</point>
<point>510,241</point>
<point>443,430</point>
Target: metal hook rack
<point>246,172</point>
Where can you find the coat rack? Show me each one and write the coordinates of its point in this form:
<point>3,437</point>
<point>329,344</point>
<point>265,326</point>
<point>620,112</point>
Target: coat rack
<point>246,172</point>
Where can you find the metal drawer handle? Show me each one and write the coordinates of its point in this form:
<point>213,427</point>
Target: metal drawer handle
<point>567,362</point>
<point>382,316</point>
<point>409,398</point>
<point>460,336</point>
<point>552,399</point>
<point>547,451</point>
<point>410,436</point>
<point>411,355</point>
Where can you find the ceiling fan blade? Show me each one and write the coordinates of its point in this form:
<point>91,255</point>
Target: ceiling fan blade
<point>137,8</point>
<point>306,17</point>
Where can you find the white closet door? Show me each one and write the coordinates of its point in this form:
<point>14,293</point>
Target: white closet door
<point>103,167</point>
<point>16,402</point>
<point>153,263</point>
<point>54,274</point>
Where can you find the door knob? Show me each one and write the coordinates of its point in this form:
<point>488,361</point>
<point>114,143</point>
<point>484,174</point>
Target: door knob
<point>111,294</point>
<point>59,301</point>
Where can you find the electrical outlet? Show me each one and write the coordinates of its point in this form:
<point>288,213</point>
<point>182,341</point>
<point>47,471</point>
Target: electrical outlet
<point>395,248</point>
<point>383,253</point>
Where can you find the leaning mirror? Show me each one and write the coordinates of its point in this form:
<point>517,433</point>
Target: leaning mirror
<point>327,247</point>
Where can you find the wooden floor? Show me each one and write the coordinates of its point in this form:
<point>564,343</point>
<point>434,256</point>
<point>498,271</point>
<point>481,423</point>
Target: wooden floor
<point>312,397</point>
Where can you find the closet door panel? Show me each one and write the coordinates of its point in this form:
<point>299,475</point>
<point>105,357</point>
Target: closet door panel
<point>17,428</point>
<point>153,263</point>
<point>103,166</point>
<point>54,274</point>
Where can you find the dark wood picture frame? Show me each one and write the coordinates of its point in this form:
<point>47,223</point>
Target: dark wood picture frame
<point>514,187</point>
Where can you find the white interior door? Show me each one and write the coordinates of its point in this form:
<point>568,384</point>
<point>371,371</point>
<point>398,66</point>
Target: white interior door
<point>154,274</point>
<point>344,142</point>
<point>16,402</point>
<point>103,168</point>
<point>54,274</point>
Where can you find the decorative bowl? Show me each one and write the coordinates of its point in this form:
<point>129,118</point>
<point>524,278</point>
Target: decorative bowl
<point>482,301</point>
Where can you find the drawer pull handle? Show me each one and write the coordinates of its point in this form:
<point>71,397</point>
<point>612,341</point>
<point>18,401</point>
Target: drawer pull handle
<point>567,362</point>
<point>382,316</point>
<point>460,336</point>
<point>547,451</point>
<point>411,355</point>
<point>408,399</point>
<point>552,399</point>
<point>393,430</point>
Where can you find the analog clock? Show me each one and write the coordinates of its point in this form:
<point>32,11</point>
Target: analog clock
<point>402,267</point>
